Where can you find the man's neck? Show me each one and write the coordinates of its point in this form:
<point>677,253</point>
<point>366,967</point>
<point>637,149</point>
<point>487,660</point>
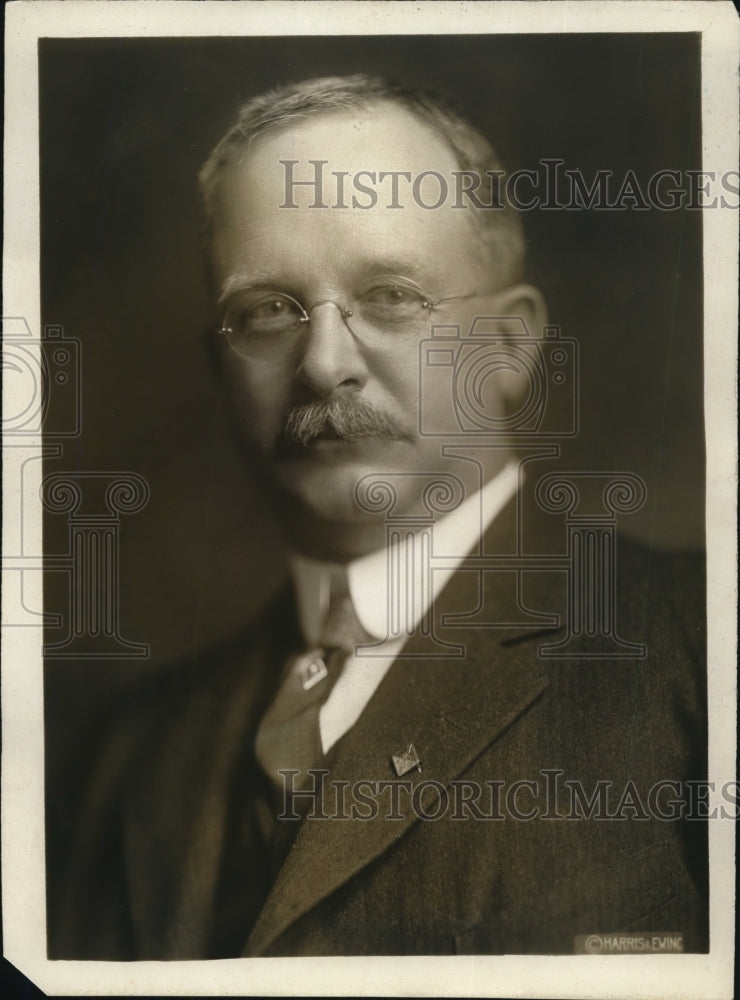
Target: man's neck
<point>454,536</point>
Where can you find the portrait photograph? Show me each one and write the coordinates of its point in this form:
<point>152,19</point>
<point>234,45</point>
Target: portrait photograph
<point>369,527</point>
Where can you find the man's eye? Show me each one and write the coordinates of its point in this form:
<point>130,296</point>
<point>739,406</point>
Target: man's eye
<point>274,312</point>
<point>268,309</point>
<point>395,297</point>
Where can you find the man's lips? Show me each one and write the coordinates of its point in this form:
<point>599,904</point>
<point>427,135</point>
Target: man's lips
<point>329,439</point>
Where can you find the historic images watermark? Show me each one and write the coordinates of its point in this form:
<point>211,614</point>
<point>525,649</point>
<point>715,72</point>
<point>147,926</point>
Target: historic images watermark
<point>549,186</point>
<point>548,795</point>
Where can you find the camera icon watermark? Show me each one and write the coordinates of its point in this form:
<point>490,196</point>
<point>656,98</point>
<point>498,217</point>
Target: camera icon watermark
<point>42,378</point>
<point>42,409</point>
<point>498,400</point>
<point>460,381</point>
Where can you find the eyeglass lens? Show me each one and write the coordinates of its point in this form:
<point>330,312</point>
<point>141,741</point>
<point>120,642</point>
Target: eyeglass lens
<point>273,320</point>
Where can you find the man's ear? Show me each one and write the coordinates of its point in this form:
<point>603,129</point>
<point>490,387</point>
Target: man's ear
<point>521,303</point>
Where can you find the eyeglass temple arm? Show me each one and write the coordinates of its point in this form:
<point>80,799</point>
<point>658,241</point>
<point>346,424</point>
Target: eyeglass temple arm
<point>455,298</point>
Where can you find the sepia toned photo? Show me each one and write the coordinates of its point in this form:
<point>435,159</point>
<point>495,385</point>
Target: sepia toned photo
<point>366,431</point>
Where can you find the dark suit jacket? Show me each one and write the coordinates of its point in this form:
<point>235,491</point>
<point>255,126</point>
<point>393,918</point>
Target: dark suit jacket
<point>167,857</point>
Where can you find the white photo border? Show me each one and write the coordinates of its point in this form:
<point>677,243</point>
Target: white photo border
<point>23,859</point>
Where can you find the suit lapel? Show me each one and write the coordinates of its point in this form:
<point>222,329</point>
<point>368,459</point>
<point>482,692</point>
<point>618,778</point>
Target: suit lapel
<point>189,927</point>
<point>208,750</point>
<point>450,709</point>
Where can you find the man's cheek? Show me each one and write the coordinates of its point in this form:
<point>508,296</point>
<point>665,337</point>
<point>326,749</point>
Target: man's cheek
<point>265,423</point>
<point>259,398</point>
<point>259,414</point>
<point>400,382</point>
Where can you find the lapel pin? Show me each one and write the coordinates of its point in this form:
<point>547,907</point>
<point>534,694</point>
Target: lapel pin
<point>406,760</point>
<point>311,669</point>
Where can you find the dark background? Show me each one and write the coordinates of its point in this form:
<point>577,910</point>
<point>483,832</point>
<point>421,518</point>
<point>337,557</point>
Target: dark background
<point>125,125</point>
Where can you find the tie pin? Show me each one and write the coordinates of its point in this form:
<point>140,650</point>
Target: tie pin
<point>406,760</point>
<point>311,669</point>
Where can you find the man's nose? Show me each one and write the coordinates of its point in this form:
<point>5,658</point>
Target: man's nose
<point>331,356</point>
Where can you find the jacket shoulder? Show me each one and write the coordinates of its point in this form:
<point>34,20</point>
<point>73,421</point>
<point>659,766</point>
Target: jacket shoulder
<point>144,765</point>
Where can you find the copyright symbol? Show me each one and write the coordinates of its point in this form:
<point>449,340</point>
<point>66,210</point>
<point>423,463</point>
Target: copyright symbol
<point>594,944</point>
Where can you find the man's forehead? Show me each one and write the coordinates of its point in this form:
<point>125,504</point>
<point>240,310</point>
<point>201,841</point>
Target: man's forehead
<point>377,138</point>
<point>315,193</point>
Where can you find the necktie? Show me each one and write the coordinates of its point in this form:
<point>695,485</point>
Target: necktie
<point>288,737</point>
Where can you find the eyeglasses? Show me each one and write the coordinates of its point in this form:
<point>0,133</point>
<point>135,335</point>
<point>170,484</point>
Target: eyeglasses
<point>270,323</point>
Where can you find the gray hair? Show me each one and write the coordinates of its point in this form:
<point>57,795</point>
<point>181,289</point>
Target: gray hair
<point>500,227</point>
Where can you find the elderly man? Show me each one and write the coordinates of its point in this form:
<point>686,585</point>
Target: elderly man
<point>393,761</point>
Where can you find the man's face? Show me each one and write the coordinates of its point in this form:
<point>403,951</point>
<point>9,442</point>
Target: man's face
<point>327,258</point>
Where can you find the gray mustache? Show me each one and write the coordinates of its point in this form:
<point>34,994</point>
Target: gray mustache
<point>345,416</point>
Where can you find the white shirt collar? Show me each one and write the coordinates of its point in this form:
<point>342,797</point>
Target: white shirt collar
<point>455,535</point>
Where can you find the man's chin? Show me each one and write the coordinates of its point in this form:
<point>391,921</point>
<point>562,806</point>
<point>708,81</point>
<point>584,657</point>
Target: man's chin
<point>319,513</point>
<point>321,481</point>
